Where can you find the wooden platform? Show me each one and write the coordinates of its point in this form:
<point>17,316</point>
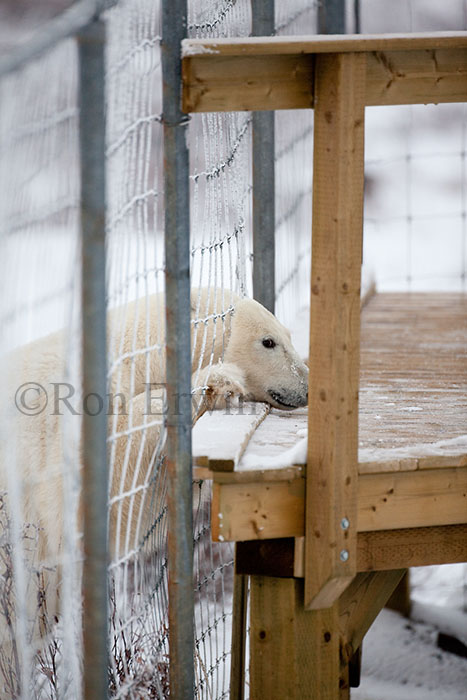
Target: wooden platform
<point>412,432</point>
<point>393,493</point>
<point>413,382</point>
<point>279,72</point>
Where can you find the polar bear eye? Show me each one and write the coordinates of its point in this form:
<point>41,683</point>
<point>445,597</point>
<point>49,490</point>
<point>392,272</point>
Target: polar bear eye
<point>269,343</point>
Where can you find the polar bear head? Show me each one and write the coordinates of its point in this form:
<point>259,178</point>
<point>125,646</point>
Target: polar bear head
<point>261,346</point>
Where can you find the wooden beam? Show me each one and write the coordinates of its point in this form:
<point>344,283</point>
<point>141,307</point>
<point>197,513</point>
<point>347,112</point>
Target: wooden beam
<point>267,558</point>
<point>225,83</point>
<point>406,547</point>
<point>331,493</point>
<point>294,654</point>
<point>254,511</point>
<point>270,509</point>
<point>324,43</point>
<point>355,668</point>
<point>399,599</point>
<point>412,499</point>
<point>359,605</point>
<point>304,655</point>
<point>239,632</point>
<point>416,77</point>
<point>255,80</point>
<point>376,551</point>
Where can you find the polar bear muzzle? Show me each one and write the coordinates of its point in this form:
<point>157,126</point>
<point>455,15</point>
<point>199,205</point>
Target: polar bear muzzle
<point>288,399</point>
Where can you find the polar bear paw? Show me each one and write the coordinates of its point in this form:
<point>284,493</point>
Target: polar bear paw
<point>223,386</point>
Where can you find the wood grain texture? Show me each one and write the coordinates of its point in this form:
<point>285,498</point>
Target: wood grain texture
<point>399,600</point>
<point>293,653</point>
<point>255,511</point>
<point>265,510</point>
<point>403,548</point>
<point>412,499</point>
<point>226,83</point>
<point>413,382</point>
<point>413,391</point>
<point>335,327</point>
<point>380,550</point>
<point>259,75</point>
<point>239,631</point>
<point>416,77</point>
<point>359,605</point>
<point>267,46</point>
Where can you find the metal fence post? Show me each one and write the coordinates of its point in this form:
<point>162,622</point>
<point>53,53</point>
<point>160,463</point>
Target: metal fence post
<point>178,356</point>
<point>331,17</point>
<point>263,179</point>
<point>91,43</point>
<point>357,17</point>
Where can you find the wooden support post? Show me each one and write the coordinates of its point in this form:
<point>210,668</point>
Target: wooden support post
<point>305,655</point>
<point>294,654</point>
<point>331,493</point>
<point>359,605</point>
<point>355,668</point>
<point>400,597</point>
<point>239,616</point>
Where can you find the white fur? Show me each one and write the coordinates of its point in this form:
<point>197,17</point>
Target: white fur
<point>229,362</point>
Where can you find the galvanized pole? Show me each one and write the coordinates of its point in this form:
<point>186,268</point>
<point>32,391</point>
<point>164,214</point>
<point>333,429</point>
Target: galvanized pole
<point>263,179</point>
<point>91,43</point>
<point>331,17</point>
<point>357,16</point>
<point>178,356</point>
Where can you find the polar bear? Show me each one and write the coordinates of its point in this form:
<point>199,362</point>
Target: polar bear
<point>242,352</point>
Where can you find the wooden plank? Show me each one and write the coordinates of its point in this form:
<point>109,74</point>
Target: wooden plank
<point>355,669</point>
<point>237,83</point>
<point>413,389</point>
<point>220,437</point>
<point>412,499</point>
<point>376,551</point>
<point>239,631</point>
<point>252,511</point>
<point>359,605</point>
<point>277,72</point>
<point>399,599</point>
<point>255,476</point>
<point>280,45</point>
<point>413,383</point>
<point>293,653</point>
<point>331,523</point>
<point>255,511</point>
<point>412,547</point>
<point>416,77</point>
<point>224,84</point>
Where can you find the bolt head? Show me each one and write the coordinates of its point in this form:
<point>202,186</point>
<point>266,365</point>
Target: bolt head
<point>345,524</point>
<point>344,555</point>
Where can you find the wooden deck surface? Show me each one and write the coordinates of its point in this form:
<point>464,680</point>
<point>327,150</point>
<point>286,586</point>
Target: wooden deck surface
<point>325,43</point>
<point>413,382</point>
<point>413,392</point>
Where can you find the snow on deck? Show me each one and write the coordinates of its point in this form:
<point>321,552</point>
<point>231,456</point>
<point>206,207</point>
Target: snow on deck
<point>413,396</point>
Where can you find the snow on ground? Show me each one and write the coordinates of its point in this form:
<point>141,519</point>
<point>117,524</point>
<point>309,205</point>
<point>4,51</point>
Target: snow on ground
<point>401,661</point>
<point>401,658</point>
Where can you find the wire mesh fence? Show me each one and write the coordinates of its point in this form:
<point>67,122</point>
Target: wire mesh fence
<point>40,514</point>
<point>40,294</point>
